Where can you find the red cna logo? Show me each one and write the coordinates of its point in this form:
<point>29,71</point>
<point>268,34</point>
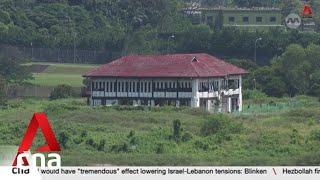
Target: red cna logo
<point>307,11</point>
<point>39,120</point>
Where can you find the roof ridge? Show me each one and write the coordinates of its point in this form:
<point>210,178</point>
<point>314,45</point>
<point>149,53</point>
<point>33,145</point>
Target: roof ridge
<point>194,68</point>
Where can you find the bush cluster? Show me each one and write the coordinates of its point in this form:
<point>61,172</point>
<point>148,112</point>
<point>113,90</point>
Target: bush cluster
<point>62,91</point>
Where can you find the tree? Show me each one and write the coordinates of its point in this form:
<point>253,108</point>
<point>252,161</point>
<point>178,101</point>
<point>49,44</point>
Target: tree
<point>268,82</point>
<point>11,68</point>
<point>315,84</point>
<point>218,24</point>
<point>195,39</point>
<point>294,69</point>
<point>2,91</point>
<point>12,72</point>
<point>62,91</point>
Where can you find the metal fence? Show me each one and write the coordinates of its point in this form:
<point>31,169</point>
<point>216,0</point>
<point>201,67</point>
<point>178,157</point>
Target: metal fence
<point>67,55</point>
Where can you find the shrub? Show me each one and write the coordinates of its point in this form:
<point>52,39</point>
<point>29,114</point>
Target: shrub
<point>315,135</point>
<point>84,133</point>
<point>220,125</point>
<point>100,146</point>
<point>59,108</point>
<point>77,140</point>
<point>295,137</point>
<point>177,130</point>
<point>186,137</point>
<point>120,148</point>
<point>134,141</point>
<point>131,134</point>
<point>62,91</point>
<point>90,142</point>
<point>202,145</point>
<point>254,94</point>
<point>63,139</point>
<point>160,148</point>
<point>301,114</point>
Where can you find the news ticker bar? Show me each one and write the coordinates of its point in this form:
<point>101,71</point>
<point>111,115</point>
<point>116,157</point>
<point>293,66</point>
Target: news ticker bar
<point>160,172</point>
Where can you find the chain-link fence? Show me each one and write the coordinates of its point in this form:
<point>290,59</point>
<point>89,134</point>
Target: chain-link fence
<point>62,55</point>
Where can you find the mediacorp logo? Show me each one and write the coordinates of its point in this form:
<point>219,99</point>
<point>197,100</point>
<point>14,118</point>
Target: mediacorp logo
<point>293,21</point>
<point>24,158</point>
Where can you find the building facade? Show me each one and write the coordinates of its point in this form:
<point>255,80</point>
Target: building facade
<point>195,80</point>
<point>248,18</point>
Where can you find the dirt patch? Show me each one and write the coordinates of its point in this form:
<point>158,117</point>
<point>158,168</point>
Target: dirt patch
<point>38,68</point>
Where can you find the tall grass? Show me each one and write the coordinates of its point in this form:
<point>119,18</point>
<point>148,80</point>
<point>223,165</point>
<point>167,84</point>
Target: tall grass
<point>283,134</point>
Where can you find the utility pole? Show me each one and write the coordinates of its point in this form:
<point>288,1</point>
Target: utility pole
<point>31,51</point>
<point>170,37</point>
<point>74,47</point>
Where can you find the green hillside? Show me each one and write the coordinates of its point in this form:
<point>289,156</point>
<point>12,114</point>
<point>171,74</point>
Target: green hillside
<point>127,26</point>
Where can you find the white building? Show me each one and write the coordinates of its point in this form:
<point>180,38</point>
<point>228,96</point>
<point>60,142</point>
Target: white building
<point>196,80</point>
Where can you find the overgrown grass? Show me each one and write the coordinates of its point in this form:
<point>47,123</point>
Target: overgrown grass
<point>143,136</point>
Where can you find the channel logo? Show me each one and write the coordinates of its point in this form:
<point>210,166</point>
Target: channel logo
<point>293,21</point>
<point>25,158</point>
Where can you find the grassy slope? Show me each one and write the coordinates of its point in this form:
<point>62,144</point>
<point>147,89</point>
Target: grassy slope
<point>56,74</point>
<point>276,137</point>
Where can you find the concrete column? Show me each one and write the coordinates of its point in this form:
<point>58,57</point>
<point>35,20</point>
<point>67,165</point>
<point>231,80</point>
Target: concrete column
<point>152,102</point>
<point>195,100</point>
<point>240,94</point>
<point>91,93</point>
<point>139,102</point>
<point>209,105</point>
<point>229,104</point>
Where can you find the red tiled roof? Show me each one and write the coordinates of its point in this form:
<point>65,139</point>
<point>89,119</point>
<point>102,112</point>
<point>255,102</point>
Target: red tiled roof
<point>175,65</point>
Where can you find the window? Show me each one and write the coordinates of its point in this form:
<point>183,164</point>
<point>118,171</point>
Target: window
<point>259,19</point>
<point>134,87</point>
<point>216,85</point>
<point>245,19</point>
<point>145,87</point>
<point>231,19</point>
<point>273,19</point>
<point>141,87</point>
<point>233,84</point>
